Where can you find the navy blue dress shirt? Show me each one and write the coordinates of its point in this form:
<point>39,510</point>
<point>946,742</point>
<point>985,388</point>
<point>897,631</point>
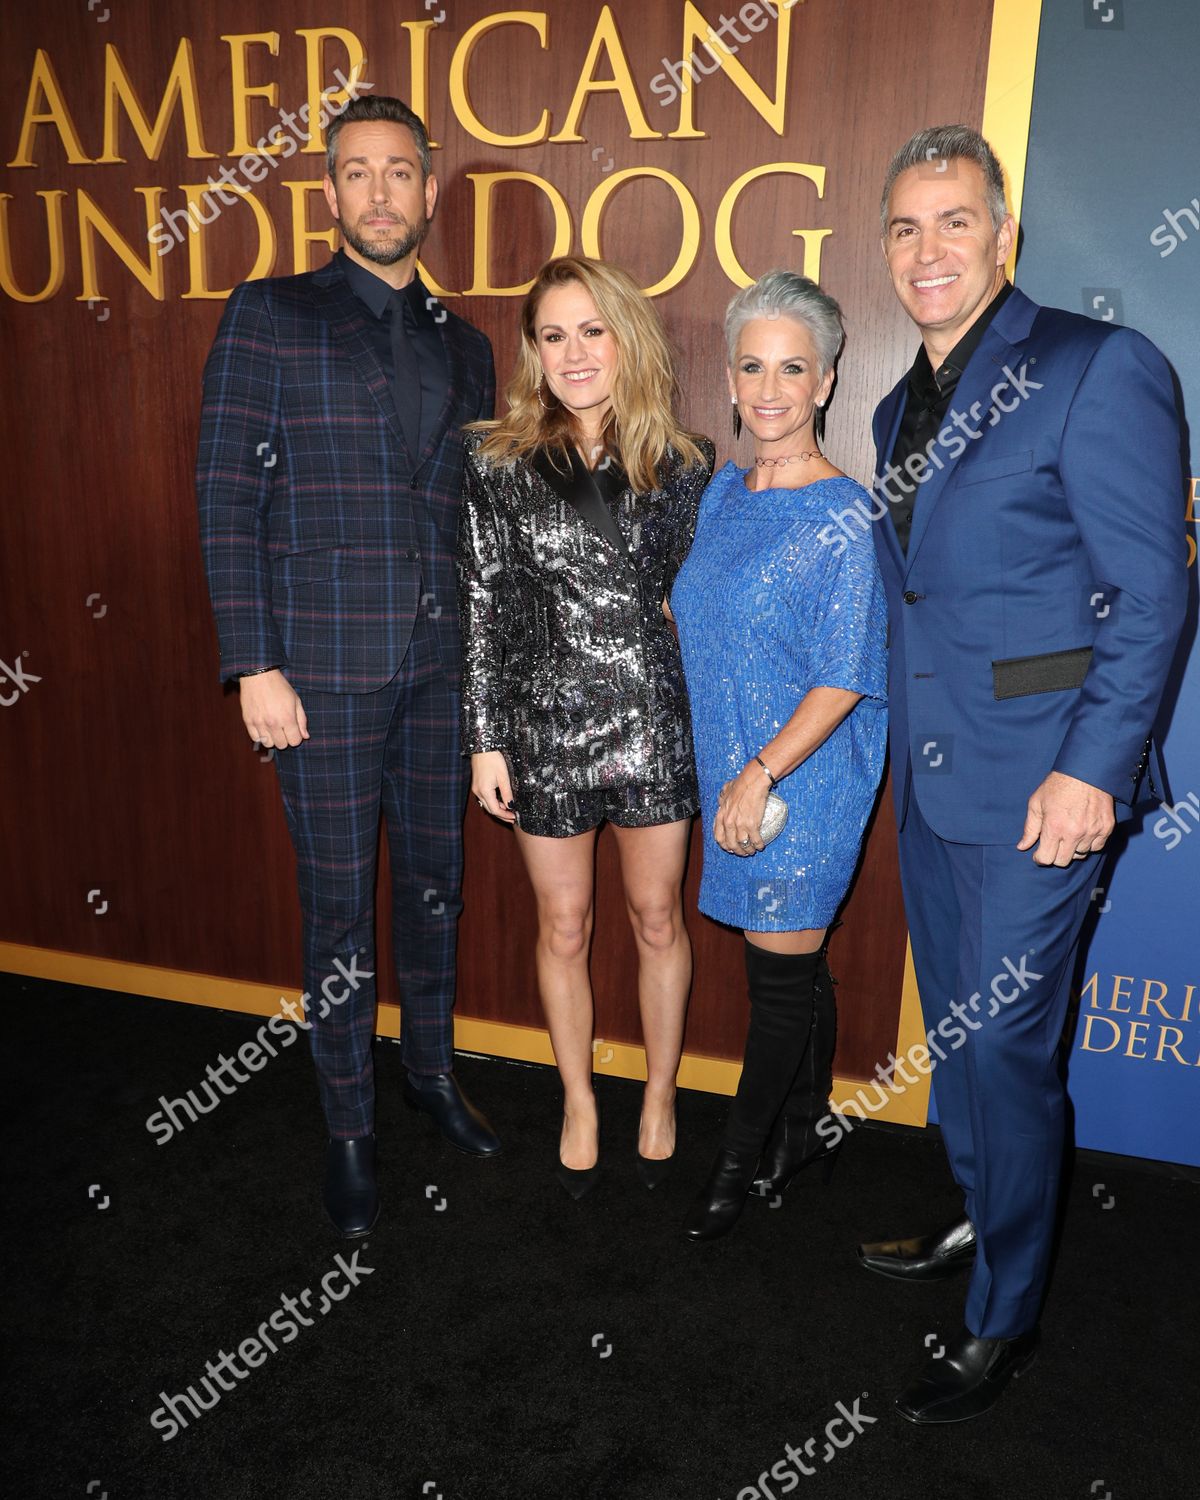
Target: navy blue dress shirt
<point>409,349</point>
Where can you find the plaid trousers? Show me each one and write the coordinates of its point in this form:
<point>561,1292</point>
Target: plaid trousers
<point>395,750</point>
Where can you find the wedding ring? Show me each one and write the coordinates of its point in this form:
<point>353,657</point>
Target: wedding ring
<point>745,843</point>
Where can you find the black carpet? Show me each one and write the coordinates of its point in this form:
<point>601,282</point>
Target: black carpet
<point>508,1342</point>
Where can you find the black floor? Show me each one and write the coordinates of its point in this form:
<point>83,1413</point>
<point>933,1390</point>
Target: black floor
<point>509,1342</point>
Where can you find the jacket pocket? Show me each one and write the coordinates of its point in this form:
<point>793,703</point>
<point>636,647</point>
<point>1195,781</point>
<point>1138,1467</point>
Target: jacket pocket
<point>309,567</point>
<point>1053,672</point>
<point>979,470</point>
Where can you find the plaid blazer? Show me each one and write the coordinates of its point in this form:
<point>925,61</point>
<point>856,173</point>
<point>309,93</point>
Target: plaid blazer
<point>322,535</point>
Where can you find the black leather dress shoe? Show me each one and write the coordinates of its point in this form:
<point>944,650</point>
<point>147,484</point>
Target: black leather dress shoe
<point>453,1113</point>
<point>928,1257</point>
<point>967,1379</point>
<point>351,1198</point>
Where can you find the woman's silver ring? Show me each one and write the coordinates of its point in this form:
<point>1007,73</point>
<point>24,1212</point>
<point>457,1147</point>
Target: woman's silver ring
<point>745,843</point>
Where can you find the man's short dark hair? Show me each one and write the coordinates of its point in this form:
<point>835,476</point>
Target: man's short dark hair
<point>378,107</point>
<point>948,143</point>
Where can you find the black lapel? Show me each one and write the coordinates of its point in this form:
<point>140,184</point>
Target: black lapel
<point>581,489</point>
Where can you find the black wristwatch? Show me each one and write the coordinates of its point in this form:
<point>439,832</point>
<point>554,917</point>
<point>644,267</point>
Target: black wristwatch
<point>254,672</point>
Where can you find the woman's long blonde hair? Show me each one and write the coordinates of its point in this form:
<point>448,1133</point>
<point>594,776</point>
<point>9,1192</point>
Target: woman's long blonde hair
<point>641,424</point>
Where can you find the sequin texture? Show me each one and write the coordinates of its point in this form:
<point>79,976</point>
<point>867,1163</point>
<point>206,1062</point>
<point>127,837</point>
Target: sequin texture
<point>767,609</point>
<point>569,666</point>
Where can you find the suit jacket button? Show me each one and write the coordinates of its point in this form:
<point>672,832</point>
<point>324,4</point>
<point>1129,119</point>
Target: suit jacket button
<point>910,597</point>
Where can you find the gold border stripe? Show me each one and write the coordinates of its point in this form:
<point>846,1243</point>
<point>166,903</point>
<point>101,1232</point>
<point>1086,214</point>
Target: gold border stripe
<point>714,1075</point>
<point>1008,96</point>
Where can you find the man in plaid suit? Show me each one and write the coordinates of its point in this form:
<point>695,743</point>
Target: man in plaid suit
<point>328,479</point>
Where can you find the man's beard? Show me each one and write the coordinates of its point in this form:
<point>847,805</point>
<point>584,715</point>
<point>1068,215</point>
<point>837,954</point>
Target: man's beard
<point>387,252</point>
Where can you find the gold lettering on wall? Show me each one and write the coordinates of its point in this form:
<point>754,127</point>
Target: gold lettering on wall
<point>302,235</point>
<point>418,71</point>
<point>1135,1038</point>
<point>264,261</point>
<point>690,239</point>
<point>696,33</point>
<point>92,222</point>
<point>607,39</point>
<point>180,88</point>
<point>812,239</point>
<point>57,247</point>
<point>485,182</point>
<point>43,85</point>
<point>315,38</point>
<point>460,89</point>
<point>244,91</point>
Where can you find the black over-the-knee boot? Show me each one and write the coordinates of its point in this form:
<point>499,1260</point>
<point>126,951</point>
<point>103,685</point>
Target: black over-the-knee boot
<point>806,1131</point>
<point>781,1014</point>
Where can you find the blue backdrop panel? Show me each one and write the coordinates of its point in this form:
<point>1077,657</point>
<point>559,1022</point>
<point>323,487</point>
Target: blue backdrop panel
<point>1111,227</point>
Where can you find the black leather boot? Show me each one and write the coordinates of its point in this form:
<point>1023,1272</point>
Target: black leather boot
<point>806,1131</point>
<point>719,1206</point>
<point>781,1001</point>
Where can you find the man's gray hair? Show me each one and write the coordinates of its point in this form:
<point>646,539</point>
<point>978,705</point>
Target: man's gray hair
<point>787,294</point>
<point>378,107</point>
<point>946,143</point>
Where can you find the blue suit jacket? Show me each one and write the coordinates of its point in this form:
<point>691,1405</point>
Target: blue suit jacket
<point>1035,615</point>
<point>322,534</point>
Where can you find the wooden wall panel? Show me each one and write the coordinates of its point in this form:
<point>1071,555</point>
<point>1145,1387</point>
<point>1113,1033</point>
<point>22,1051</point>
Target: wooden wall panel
<point>125,768</point>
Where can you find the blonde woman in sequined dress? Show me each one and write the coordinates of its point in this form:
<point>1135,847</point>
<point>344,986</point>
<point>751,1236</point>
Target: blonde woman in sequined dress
<point>578,509</point>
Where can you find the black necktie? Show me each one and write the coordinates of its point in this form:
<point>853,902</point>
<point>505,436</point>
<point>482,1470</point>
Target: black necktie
<point>408,375</point>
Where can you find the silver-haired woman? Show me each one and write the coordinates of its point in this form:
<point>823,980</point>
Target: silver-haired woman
<point>782,626</point>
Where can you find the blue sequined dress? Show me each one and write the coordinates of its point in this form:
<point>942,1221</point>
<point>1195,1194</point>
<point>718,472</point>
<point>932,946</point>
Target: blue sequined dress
<point>774,599</point>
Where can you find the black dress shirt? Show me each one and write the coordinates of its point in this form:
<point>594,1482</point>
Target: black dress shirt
<point>410,350</point>
<point>929,397</point>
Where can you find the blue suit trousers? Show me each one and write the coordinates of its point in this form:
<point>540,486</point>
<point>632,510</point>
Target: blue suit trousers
<point>994,939</point>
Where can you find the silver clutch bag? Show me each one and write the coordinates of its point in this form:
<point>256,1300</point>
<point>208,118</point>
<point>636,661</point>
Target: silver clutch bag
<point>775,816</point>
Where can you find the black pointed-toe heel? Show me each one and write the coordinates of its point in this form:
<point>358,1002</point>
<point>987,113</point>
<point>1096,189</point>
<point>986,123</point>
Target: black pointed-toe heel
<point>654,1170</point>
<point>577,1180</point>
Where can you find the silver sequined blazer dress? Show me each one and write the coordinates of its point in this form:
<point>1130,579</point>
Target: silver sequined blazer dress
<point>569,666</point>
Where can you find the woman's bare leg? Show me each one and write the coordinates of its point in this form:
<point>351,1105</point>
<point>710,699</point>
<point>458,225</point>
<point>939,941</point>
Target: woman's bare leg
<point>652,864</point>
<point>561,872</point>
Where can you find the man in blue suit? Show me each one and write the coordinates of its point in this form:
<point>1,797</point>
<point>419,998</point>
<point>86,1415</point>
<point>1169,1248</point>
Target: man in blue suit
<point>1027,508</point>
<point>328,478</point>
